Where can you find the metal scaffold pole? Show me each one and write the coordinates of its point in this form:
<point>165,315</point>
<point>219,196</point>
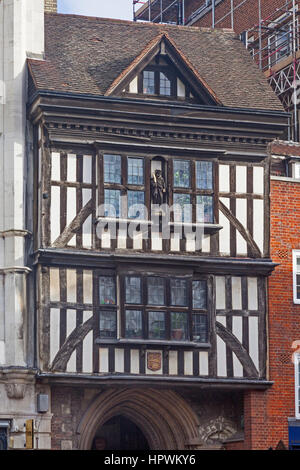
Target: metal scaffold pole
<point>296,130</point>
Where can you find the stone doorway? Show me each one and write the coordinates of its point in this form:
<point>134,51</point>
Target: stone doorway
<point>120,433</point>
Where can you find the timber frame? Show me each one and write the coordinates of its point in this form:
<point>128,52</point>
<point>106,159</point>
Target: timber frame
<point>84,125</point>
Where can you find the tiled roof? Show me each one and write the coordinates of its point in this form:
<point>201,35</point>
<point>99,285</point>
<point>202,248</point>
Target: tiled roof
<point>86,55</point>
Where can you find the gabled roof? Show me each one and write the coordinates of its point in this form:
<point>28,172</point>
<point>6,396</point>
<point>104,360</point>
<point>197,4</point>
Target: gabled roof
<point>88,55</point>
<point>174,54</point>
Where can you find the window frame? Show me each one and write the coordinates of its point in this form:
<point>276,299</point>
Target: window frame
<point>296,255</point>
<point>193,191</point>
<point>167,308</point>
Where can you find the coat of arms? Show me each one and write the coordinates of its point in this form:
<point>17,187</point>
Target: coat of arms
<point>154,361</point>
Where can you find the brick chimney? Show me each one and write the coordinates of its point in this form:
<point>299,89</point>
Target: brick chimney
<point>51,6</point>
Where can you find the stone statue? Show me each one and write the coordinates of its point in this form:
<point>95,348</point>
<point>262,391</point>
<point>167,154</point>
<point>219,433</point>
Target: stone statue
<point>158,187</point>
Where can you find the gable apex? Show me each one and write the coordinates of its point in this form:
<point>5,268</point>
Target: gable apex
<point>164,46</point>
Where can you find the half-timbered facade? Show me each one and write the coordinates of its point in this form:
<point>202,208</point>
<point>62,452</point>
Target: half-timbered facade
<point>151,182</point>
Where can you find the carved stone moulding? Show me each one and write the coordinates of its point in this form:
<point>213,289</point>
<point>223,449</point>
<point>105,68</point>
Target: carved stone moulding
<point>16,380</point>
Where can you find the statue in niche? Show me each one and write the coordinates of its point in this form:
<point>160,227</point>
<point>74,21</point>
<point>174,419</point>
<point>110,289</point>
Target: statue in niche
<point>158,187</point>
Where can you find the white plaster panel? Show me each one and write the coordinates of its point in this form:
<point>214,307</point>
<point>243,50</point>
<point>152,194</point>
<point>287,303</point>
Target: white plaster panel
<point>206,244</point>
<point>87,169</point>
<point>224,182</point>
<point>119,360</point>
<point>224,233</point>
<point>258,180</point>
<point>180,88</point>
<point>241,215</point>
<point>71,211</point>
<point>54,285</point>
<point>71,167</point>
<point>253,340</point>
<point>87,347</point>
<point>71,285</point>
<point>2,352</point>
<point>241,179</point>
<point>88,287</point>
<point>258,223</point>
<point>173,363</point>
<point>55,213</point>
<point>134,361</point>
<point>71,365</point>
<point>55,166</point>
<point>221,351</point>
<point>238,370</point>
<point>236,293</point>
<point>54,332</point>
<point>103,360</point>
<point>252,293</point>
<point>203,363</point>
<point>133,85</point>
<point>188,363</point>
<point>220,292</point>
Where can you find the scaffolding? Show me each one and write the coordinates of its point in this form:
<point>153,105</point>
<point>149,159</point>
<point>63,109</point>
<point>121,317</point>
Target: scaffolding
<point>159,11</point>
<point>274,42</point>
<point>274,45</point>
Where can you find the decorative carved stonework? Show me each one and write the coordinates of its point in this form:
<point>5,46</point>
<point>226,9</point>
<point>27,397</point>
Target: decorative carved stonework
<point>15,390</point>
<point>154,361</point>
<point>16,380</point>
<point>216,431</point>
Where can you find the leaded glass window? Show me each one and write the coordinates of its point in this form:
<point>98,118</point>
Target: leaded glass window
<point>112,168</point>
<point>199,294</point>
<point>156,290</point>
<point>204,175</point>
<point>108,324</point>
<point>107,290</point>
<point>136,201</point>
<point>178,292</point>
<point>205,211</point>
<point>112,201</point>
<point>135,171</point>
<point>181,174</point>
<point>182,207</point>
<point>179,326</point>
<point>133,324</point>
<point>199,328</point>
<point>164,84</point>
<point>148,82</point>
<point>133,294</point>
<point>157,325</point>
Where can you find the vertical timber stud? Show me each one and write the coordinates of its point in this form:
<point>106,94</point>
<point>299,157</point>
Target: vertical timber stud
<point>29,433</point>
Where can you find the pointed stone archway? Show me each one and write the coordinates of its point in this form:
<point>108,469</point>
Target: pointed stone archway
<point>166,420</point>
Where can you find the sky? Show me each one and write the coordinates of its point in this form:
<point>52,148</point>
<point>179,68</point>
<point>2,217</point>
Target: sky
<point>120,9</point>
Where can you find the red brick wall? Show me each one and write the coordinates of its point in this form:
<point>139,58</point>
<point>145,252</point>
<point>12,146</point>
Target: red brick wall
<point>245,17</point>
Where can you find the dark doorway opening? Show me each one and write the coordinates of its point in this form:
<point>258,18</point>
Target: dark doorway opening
<point>120,433</point>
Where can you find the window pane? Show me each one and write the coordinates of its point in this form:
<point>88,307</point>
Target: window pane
<point>205,209</point>
<point>136,204</point>
<point>178,292</point>
<point>148,83</point>
<point>200,328</point>
<point>112,169</point>
<point>298,285</point>
<point>164,85</point>
<point>156,291</point>
<point>298,264</point>
<point>182,207</point>
<point>108,324</point>
<point>179,326</point>
<point>112,200</point>
<point>157,325</point>
<point>133,290</point>
<point>181,173</point>
<point>135,171</point>
<point>199,294</point>
<point>133,324</point>
<point>107,290</point>
<point>204,175</point>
